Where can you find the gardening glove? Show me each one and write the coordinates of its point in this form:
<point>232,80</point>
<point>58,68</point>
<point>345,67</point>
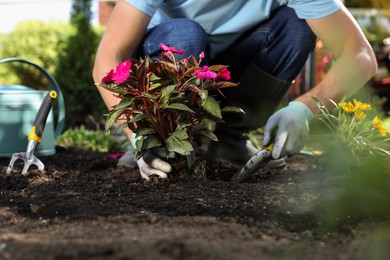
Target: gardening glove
<point>150,163</point>
<point>128,159</point>
<point>292,124</point>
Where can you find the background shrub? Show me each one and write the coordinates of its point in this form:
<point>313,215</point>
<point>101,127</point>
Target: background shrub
<point>65,50</point>
<point>42,43</point>
<point>74,70</point>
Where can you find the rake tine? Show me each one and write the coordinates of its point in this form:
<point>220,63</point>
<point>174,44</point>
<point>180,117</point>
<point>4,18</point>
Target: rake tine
<point>15,157</point>
<point>35,161</point>
<point>25,168</point>
<point>11,165</point>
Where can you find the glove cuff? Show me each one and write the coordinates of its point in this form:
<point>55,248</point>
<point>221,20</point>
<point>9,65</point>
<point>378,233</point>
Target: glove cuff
<point>302,108</point>
<point>133,140</point>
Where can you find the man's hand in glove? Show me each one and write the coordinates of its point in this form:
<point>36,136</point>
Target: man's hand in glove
<point>292,124</point>
<point>150,163</point>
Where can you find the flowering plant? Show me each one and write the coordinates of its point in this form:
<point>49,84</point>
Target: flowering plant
<point>165,102</point>
<point>353,128</point>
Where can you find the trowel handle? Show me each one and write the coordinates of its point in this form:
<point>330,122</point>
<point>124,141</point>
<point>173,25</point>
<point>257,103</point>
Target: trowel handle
<point>40,119</point>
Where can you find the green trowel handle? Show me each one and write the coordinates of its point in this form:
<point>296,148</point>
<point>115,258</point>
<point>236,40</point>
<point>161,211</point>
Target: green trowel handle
<point>40,119</point>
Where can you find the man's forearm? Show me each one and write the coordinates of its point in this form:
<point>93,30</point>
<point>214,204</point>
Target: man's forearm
<point>348,74</point>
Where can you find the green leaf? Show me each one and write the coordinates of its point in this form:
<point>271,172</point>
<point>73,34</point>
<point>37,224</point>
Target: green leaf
<point>150,141</point>
<point>191,159</point>
<point>153,77</point>
<point>154,81</point>
<point>145,131</point>
<point>194,81</point>
<point>142,69</point>
<point>225,84</point>
<point>166,94</point>
<point>178,142</point>
<point>148,96</point>
<point>112,117</point>
<point>122,126</point>
<point>182,147</point>
<point>125,103</point>
<point>204,94</point>
<point>169,67</point>
<point>154,86</point>
<point>138,118</point>
<point>212,106</point>
<point>180,133</point>
<point>209,135</point>
<point>113,87</point>
<point>179,106</point>
<point>231,109</point>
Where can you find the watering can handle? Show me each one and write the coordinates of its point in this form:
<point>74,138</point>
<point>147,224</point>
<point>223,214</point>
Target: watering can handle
<point>54,84</point>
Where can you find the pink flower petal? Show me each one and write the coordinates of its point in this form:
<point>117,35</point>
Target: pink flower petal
<point>164,47</point>
<point>224,74</point>
<point>122,72</point>
<point>114,155</point>
<point>210,75</point>
<point>108,77</point>
<point>201,55</point>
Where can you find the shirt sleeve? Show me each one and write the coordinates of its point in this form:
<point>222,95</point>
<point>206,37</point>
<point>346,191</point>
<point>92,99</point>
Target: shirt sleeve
<point>314,9</point>
<point>149,7</point>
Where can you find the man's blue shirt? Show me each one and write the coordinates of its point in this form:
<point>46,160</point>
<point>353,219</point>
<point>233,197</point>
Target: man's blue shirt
<point>225,20</point>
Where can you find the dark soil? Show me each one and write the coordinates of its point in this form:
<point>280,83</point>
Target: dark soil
<point>84,207</point>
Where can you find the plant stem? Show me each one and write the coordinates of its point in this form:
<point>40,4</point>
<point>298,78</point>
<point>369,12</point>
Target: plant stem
<point>156,127</point>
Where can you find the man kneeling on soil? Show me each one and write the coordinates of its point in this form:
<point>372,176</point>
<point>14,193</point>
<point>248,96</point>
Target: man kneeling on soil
<point>264,43</point>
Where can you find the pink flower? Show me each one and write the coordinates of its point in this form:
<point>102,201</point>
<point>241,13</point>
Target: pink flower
<point>201,55</point>
<point>115,155</point>
<point>122,72</point>
<point>204,73</point>
<point>163,47</point>
<point>108,77</point>
<point>325,60</point>
<point>224,74</point>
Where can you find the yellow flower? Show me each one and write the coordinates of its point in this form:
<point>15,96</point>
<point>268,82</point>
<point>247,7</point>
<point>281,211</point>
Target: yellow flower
<point>382,131</point>
<point>359,115</point>
<point>357,108</point>
<point>348,107</point>
<point>378,125</point>
<point>361,106</point>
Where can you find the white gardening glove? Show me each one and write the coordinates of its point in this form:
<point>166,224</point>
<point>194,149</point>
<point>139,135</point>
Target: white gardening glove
<point>292,124</point>
<point>150,163</point>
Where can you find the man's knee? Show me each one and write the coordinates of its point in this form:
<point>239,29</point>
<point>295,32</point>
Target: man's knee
<point>298,33</point>
<point>181,33</point>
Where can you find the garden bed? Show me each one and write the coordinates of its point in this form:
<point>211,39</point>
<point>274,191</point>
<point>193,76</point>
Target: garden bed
<point>84,207</point>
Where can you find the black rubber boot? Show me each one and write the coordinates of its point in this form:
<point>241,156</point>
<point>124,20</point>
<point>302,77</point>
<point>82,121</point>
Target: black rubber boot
<point>258,94</point>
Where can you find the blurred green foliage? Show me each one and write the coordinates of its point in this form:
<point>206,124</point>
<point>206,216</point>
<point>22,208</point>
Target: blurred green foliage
<point>375,245</point>
<point>367,3</point>
<point>363,194</point>
<point>386,123</point>
<point>66,51</point>
<point>356,190</point>
<point>42,43</point>
<point>96,140</point>
<point>74,70</point>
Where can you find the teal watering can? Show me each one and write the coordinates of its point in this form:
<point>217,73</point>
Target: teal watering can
<point>19,106</point>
